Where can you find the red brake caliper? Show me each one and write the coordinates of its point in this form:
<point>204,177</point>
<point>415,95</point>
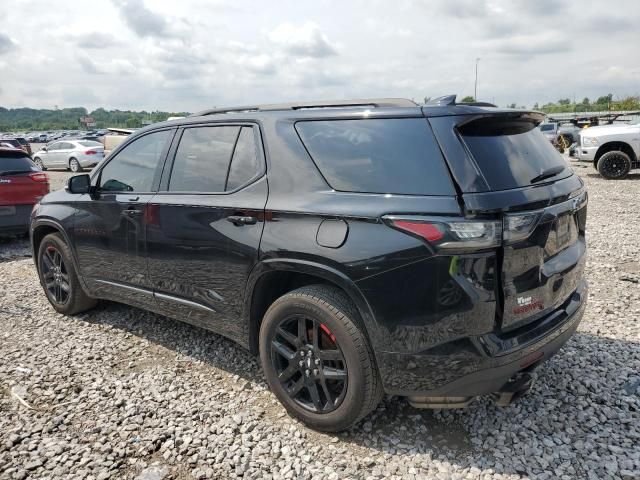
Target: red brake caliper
<point>326,330</point>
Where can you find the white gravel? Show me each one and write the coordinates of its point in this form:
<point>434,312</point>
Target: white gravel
<point>121,393</point>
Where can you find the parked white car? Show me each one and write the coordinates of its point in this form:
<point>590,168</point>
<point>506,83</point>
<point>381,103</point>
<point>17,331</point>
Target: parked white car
<point>613,149</point>
<point>74,155</point>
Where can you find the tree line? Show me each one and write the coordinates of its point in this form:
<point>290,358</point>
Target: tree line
<point>605,103</point>
<point>16,119</point>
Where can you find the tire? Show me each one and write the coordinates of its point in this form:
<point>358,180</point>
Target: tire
<point>74,165</point>
<point>565,141</point>
<point>614,165</point>
<point>54,252</point>
<point>347,383</point>
<point>39,164</point>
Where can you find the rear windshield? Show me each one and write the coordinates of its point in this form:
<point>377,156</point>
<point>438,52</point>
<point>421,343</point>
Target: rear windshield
<point>512,153</point>
<point>377,155</point>
<point>21,141</point>
<point>16,165</point>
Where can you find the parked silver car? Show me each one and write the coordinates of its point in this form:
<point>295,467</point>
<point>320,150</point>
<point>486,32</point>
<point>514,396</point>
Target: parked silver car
<point>74,155</point>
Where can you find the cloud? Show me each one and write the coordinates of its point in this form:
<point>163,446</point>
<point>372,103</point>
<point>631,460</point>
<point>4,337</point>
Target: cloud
<point>305,40</point>
<point>463,8</point>
<point>88,65</point>
<point>529,45</point>
<point>6,44</point>
<point>95,40</point>
<point>141,20</point>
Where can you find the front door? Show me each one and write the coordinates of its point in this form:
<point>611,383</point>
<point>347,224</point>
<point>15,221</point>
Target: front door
<point>110,227</point>
<point>205,223</point>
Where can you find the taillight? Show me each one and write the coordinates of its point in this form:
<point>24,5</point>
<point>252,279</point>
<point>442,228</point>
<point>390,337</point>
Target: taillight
<point>39,177</point>
<point>90,152</point>
<point>450,233</point>
<point>518,226</point>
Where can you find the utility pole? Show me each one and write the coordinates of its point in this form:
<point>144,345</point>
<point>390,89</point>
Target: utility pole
<point>475,88</point>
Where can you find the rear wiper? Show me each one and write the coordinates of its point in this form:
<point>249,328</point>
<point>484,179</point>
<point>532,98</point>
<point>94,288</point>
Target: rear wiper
<point>13,172</point>
<point>548,173</point>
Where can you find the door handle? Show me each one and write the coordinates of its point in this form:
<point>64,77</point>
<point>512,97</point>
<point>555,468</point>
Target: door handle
<point>131,213</point>
<point>239,220</point>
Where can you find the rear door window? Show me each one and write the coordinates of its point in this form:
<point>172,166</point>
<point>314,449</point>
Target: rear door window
<point>202,159</point>
<point>511,153</point>
<point>397,155</point>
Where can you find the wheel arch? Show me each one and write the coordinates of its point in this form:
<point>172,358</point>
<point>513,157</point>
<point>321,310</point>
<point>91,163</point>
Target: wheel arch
<point>615,145</point>
<point>271,279</point>
<point>43,227</point>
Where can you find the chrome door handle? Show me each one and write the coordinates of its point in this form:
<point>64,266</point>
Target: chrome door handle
<point>239,220</point>
<point>131,213</point>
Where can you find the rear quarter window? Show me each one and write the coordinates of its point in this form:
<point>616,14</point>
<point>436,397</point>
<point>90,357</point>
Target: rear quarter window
<point>398,156</point>
<point>511,153</point>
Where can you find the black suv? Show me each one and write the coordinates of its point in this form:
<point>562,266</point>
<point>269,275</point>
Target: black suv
<point>359,247</point>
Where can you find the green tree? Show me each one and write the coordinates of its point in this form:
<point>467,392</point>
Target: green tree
<point>468,99</point>
<point>564,101</point>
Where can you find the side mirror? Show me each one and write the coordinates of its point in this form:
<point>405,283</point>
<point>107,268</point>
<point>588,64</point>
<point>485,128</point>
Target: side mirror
<point>44,149</point>
<point>79,184</point>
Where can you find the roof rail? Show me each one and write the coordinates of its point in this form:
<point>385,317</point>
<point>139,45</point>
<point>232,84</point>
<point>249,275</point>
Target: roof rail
<point>369,102</point>
<point>447,100</point>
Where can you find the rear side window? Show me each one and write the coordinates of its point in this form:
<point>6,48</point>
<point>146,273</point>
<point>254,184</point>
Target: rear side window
<point>202,159</point>
<point>398,156</point>
<point>511,153</point>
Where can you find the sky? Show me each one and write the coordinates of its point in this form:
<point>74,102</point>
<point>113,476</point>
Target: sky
<point>189,55</point>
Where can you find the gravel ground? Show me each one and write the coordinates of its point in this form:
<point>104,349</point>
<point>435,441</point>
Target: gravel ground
<point>121,393</point>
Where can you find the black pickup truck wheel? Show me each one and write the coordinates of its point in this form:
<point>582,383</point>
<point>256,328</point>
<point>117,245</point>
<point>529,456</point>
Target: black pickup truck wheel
<point>614,165</point>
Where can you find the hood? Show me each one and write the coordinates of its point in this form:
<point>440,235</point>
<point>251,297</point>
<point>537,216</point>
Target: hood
<point>609,129</point>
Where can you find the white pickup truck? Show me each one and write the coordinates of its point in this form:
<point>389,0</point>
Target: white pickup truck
<point>613,149</point>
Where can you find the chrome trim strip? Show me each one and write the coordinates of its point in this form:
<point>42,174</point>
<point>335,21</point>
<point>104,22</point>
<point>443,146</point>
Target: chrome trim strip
<point>189,303</point>
<point>143,291</point>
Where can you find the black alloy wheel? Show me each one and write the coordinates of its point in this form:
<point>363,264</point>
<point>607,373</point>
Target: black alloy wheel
<point>55,275</point>
<point>58,276</point>
<point>309,364</point>
<point>614,165</point>
<point>317,359</point>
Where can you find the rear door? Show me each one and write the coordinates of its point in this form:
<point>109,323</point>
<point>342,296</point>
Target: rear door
<point>525,182</point>
<point>205,223</point>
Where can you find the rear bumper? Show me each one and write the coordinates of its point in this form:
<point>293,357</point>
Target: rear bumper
<point>483,364</point>
<point>18,222</point>
<point>88,162</point>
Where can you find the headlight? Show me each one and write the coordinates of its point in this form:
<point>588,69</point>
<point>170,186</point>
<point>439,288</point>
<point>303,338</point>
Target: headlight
<point>589,142</point>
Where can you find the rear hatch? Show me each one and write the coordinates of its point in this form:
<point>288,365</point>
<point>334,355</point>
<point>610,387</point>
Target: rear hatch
<point>525,182</point>
<point>21,182</point>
